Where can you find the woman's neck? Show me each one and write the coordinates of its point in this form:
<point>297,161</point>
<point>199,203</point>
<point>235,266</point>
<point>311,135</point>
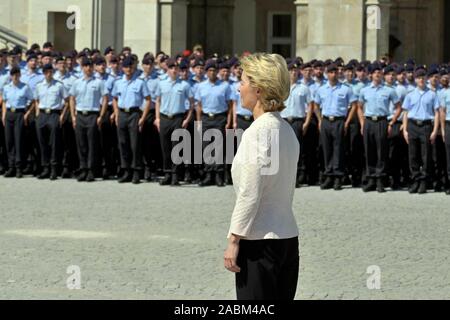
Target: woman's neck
<point>258,110</point>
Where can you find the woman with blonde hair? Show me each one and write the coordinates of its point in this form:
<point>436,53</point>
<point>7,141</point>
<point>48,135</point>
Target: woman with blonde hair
<point>263,237</point>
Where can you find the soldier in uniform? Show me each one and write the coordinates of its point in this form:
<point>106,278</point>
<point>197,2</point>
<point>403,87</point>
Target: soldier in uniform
<point>374,101</point>
<point>171,115</point>
<point>298,113</point>
<point>87,116</point>
<point>129,94</point>
<point>107,132</point>
<point>445,126</point>
<point>51,97</point>
<point>333,100</point>
<point>214,110</point>
<point>16,98</point>
<point>420,109</point>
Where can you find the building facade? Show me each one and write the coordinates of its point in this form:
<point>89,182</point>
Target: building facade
<point>361,29</point>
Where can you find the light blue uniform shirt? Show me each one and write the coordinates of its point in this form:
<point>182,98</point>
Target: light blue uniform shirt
<point>421,105</point>
<point>377,100</point>
<point>358,85</point>
<point>108,80</point>
<point>445,102</point>
<point>51,95</point>
<point>87,93</point>
<point>152,83</point>
<point>32,79</point>
<point>315,86</point>
<point>4,80</point>
<point>173,95</point>
<point>213,96</point>
<point>297,104</point>
<point>17,96</point>
<point>236,96</point>
<point>130,93</point>
<point>334,101</point>
<point>67,79</point>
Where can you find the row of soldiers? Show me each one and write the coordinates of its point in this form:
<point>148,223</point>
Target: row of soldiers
<point>371,125</point>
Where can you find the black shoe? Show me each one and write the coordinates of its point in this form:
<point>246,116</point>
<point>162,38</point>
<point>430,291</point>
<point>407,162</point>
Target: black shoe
<point>2,171</point>
<point>356,182</point>
<point>346,181</point>
<point>53,175</point>
<point>438,187</point>
<point>82,176</point>
<point>187,176</point>
<point>148,175</point>
<point>126,177</point>
<point>136,177</point>
<point>447,191</point>
<point>19,174</point>
<point>337,184</point>
<point>423,187</point>
<point>45,174</point>
<point>10,173</point>
<point>327,184</point>
<point>28,170</point>
<point>207,181</point>
<point>370,186</point>
<point>105,174</point>
<point>395,185</point>
<point>219,180</point>
<point>174,180</point>
<point>380,186</point>
<point>301,179</point>
<point>414,188</point>
<point>166,180</point>
<point>90,176</point>
<point>228,180</point>
<point>66,174</point>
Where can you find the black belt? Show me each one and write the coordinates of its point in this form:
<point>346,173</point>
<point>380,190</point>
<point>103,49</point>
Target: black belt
<point>376,118</point>
<point>246,118</point>
<point>50,111</point>
<point>333,118</point>
<point>214,115</point>
<point>130,110</point>
<point>292,119</point>
<point>171,116</point>
<point>87,113</point>
<point>420,122</point>
<point>14,110</point>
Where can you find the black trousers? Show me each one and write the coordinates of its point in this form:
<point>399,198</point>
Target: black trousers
<point>49,135</point>
<point>447,148</point>
<point>70,153</point>
<point>32,147</point>
<point>87,140</point>
<point>167,127</point>
<point>355,150</point>
<point>15,138</point>
<point>332,137</point>
<point>130,144</point>
<point>420,152</point>
<point>269,269</point>
<point>151,144</point>
<point>3,152</point>
<point>439,169</point>
<point>108,142</point>
<point>376,147</point>
<point>242,123</point>
<point>297,126</point>
<point>313,154</point>
<point>218,122</point>
<point>398,162</point>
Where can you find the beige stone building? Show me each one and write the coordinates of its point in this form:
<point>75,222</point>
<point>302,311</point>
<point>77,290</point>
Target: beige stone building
<point>362,29</point>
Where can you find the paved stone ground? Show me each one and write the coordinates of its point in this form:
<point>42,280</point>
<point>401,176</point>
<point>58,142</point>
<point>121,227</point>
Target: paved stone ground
<point>153,242</point>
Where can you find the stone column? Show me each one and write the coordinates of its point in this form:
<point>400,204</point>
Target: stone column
<point>302,28</point>
<point>173,26</point>
<point>377,26</point>
<point>141,26</point>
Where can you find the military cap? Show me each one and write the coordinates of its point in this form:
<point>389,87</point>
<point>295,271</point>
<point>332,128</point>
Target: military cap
<point>46,45</point>
<point>399,69</point>
<point>305,65</point>
<point>32,56</point>
<point>332,67</point>
<point>99,60</point>
<point>47,67</point>
<point>108,50</point>
<point>349,66</point>
<point>388,69</point>
<point>420,72</point>
<point>128,62</point>
<point>172,62</point>
<point>199,62</point>
<point>86,62</point>
<point>184,64</point>
<point>374,67</point>
<point>432,71</point>
<point>210,64</point>
<point>292,65</point>
<point>318,64</point>
<point>14,70</point>
<point>149,60</point>
<point>409,68</point>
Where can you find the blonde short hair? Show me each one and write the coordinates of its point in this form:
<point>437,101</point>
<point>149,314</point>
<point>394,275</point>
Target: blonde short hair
<point>269,73</point>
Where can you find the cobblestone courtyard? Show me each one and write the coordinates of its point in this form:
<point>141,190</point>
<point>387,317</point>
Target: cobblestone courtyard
<point>153,242</point>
